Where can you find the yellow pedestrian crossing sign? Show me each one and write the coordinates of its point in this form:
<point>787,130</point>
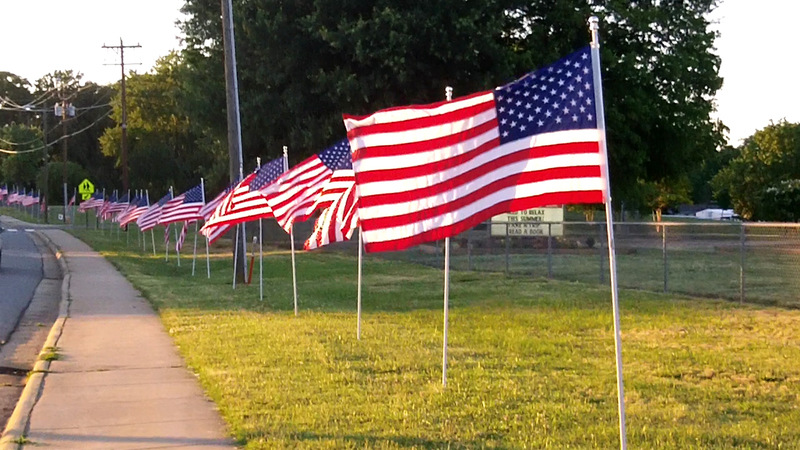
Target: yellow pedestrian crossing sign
<point>86,187</point>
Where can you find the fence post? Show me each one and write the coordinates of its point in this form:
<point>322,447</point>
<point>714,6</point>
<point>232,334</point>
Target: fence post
<point>664,254</point>
<point>549,250</point>
<point>741,262</point>
<point>600,252</point>
<point>507,248</point>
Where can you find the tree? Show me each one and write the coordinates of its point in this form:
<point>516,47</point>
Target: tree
<point>301,64</point>
<point>20,168</point>
<point>162,147</point>
<point>15,96</point>
<point>760,179</point>
<point>659,79</point>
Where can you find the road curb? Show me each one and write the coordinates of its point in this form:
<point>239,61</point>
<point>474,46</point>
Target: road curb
<point>14,433</point>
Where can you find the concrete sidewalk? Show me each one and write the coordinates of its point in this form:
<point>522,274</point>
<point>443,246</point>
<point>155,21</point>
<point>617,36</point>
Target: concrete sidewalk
<point>118,382</point>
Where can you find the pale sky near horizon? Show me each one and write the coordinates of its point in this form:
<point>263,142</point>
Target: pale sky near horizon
<point>40,36</point>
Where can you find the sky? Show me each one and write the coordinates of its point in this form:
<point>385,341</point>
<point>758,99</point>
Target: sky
<point>40,36</point>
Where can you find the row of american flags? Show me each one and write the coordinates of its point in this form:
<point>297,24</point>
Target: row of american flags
<point>415,174</point>
<point>16,196</point>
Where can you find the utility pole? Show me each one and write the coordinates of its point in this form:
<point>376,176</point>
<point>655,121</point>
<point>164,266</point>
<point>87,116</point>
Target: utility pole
<point>234,121</point>
<point>45,158</point>
<point>124,124</point>
<point>65,110</point>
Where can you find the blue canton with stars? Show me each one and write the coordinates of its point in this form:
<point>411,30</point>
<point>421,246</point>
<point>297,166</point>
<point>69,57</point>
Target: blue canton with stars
<point>267,173</point>
<point>194,195</point>
<point>337,157</point>
<point>558,97</point>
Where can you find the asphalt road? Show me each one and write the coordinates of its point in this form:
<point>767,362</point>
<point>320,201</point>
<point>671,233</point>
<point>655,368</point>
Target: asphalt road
<point>20,273</point>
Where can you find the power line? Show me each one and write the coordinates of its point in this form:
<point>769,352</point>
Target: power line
<point>38,149</point>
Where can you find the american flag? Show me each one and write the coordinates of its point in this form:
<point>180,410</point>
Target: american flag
<point>138,207</point>
<point>208,209</point>
<point>3,191</point>
<point>150,217</point>
<point>337,222</point>
<point>428,172</point>
<point>71,200</point>
<point>113,206</point>
<point>246,201</point>
<point>298,189</point>
<point>95,201</point>
<point>182,236</point>
<point>183,207</point>
<point>166,235</point>
<point>30,199</point>
<point>214,232</point>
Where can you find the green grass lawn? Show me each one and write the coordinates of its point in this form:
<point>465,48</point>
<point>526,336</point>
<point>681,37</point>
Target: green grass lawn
<point>531,361</point>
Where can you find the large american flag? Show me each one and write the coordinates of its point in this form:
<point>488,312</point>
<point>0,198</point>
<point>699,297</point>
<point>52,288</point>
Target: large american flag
<point>183,207</point>
<point>150,217</point>
<point>428,172</point>
<point>246,201</point>
<point>297,190</point>
<point>337,222</point>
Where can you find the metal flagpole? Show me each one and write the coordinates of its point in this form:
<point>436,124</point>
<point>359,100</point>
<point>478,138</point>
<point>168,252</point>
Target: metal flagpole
<point>194,258</point>
<point>291,235</point>
<point>612,260</point>
<point>260,252</point>
<point>203,194</point>
<point>153,238</point>
<point>449,94</point>
<point>166,231</point>
<point>128,235</point>
<point>294,270</point>
<point>358,295</point>
<point>177,252</point>
<point>166,242</point>
<point>236,255</point>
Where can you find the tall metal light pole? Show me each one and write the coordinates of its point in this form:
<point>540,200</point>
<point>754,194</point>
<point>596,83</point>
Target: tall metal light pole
<point>234,123</point>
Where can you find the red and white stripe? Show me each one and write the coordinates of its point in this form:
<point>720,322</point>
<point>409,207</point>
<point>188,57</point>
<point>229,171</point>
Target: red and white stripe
<point>296,191</point>
<point>337,222</point>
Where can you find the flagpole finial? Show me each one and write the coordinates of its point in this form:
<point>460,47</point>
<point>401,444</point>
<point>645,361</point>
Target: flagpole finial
<point>448,93</point>
<point>594,27</point>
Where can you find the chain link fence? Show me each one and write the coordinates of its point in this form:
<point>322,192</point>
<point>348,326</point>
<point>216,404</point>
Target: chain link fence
<point>751,262</point>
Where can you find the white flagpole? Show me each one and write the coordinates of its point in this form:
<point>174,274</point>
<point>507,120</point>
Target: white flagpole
<point>358,295</point>
<point>194,257</point>
<point>294,270</point>
<point>177,252</point>
<point>127,234</point>
<point>236,255</point>
<point>208,260</point>
<point>203,194</point>
<point>449,94</point>
<point>166,232</point>
<point>291,236</point>
<point>153,238</point>
<point>260,252</point>
<point>612,260</point>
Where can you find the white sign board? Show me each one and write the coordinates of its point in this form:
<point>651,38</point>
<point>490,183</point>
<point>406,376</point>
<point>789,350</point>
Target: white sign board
<point>529,222</point>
